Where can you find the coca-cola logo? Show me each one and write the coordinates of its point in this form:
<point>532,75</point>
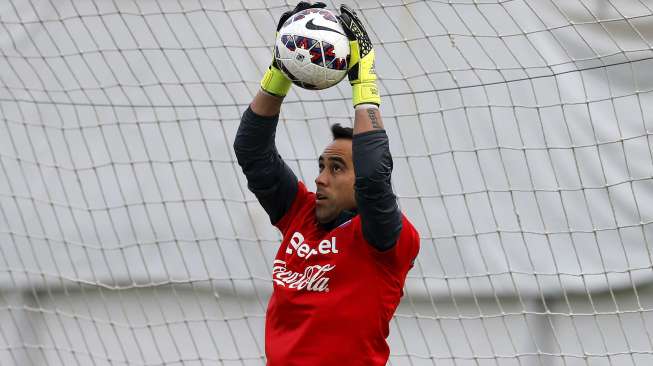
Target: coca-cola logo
<point>312,279</point>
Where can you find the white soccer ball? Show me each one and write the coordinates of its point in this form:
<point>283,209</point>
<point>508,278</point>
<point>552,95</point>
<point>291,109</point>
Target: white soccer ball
<point>312,49</point>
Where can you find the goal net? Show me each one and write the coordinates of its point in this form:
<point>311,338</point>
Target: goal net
<point>521,136</point>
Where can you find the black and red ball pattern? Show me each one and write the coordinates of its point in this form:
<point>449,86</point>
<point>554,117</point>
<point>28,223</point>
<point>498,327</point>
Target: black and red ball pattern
<point>322,56</point>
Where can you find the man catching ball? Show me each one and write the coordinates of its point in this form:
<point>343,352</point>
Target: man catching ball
<point>347,248</point>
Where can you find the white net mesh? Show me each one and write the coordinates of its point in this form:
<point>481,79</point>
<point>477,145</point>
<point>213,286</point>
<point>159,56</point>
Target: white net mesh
<point>521,136</point>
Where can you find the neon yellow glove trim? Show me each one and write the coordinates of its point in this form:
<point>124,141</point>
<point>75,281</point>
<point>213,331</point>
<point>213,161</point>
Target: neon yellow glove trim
<point>275,82</point>
<point>354,53</point>
<point>364,88</point>
<point>365,93</point>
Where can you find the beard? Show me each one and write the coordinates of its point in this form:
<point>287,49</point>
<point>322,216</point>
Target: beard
<point>326,213</point>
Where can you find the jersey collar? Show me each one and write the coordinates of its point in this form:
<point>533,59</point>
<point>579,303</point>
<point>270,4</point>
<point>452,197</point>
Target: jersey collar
<point>343,217</point>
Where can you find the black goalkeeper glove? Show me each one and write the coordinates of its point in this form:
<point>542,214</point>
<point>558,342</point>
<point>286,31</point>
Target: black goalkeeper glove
<point>275,81</point>
<point>362,76</point>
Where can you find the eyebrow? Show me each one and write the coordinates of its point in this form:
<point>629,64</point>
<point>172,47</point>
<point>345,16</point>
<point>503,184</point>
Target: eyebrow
<point>333,158</point>
<point>338,159</point>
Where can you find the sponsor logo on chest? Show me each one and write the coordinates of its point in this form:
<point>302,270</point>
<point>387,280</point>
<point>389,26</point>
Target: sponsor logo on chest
<point>303,250</point>
<point>311,278</point>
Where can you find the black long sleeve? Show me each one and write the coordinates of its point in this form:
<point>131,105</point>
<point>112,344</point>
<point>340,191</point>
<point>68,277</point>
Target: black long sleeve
<point>270,179</point>
<point>377,205</point>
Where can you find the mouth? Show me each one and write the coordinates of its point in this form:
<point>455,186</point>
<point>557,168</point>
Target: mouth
<point>320,196</point>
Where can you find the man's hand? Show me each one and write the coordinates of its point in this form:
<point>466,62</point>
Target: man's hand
<point>274,81</point>
<point>362,76</point>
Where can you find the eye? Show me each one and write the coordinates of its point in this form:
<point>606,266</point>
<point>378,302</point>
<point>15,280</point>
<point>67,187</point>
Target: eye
<point>321,167</point>
<point>337,168</point>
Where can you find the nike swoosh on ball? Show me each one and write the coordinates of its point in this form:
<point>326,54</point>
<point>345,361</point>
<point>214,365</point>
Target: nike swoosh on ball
<point>311,25</point>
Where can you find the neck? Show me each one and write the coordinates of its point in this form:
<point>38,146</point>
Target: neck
<point>341,218</point>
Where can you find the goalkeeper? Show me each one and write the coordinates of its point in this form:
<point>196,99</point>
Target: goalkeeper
<point>346,250</point>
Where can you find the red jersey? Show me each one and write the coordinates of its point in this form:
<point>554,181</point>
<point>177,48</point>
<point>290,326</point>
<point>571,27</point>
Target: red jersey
<point>334,293</point>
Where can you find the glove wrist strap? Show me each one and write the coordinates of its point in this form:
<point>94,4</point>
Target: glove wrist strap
<point>275,82</point>
<point>365,93</point>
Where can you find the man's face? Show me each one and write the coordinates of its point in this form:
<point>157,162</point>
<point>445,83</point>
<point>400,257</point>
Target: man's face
<point>335,183</point>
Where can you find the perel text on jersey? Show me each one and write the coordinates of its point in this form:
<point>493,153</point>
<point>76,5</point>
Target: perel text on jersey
<point>303,250</point>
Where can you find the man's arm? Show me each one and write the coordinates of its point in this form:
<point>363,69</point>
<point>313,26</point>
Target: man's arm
<point>377,205</point>
<point>381,218</point>
<point>266,105</point>
<point>268,177</point>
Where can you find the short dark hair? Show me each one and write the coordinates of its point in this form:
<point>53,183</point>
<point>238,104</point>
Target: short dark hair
<point>341,132</point>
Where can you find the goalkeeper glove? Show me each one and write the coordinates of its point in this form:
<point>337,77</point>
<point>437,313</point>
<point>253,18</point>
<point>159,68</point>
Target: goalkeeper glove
<point>275,81</point>
<point>362,76</point>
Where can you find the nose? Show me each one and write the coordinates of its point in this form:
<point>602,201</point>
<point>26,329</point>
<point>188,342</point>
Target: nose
<point>321,179</point>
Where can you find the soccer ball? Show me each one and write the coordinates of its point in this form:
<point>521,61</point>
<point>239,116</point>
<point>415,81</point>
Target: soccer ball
<point>312,49</point>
